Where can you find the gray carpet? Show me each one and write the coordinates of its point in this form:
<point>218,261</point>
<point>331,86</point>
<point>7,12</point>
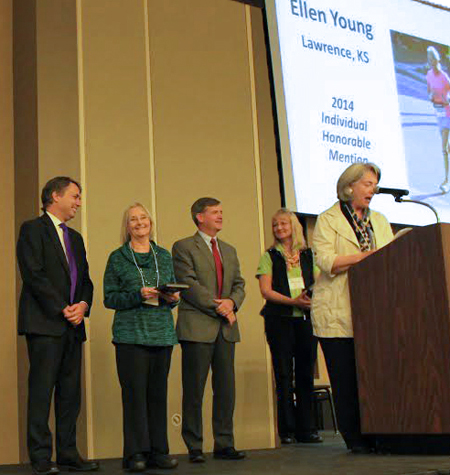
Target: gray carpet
<point>301,459</point>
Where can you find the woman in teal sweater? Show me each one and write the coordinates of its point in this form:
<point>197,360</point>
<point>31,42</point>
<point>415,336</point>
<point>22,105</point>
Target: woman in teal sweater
<point>143,336</point>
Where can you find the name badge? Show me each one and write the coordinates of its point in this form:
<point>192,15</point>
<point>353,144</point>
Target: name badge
<point>154,301</point>
<point>296,283</point>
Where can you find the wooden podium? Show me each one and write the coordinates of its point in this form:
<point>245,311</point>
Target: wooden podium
<point>401,320</point>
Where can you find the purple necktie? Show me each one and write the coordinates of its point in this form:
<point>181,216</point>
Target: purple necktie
<point>71,260</point>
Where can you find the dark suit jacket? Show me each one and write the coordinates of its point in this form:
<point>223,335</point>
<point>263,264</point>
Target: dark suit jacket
<point>194,265</point>
<point>46,279</point>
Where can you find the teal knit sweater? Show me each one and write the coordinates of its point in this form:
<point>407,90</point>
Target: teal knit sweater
<point>135,322</point>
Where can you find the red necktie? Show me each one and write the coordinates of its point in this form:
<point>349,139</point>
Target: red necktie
<point>219,267</point>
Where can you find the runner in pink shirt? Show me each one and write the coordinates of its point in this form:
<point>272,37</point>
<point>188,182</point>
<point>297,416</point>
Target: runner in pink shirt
<point>438,85</point>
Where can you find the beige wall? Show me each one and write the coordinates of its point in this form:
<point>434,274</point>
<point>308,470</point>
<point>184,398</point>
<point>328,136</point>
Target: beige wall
<point>9,431</point>
<point>266,140</point>
<point>26,175</point>
<point>160,102</point>
<point>57,91</point>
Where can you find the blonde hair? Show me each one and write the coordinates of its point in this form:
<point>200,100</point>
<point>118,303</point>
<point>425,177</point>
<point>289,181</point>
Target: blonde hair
<point>298,240</point>
<point>124,234</point>
<point>432,50</point>
<point>351,175</point>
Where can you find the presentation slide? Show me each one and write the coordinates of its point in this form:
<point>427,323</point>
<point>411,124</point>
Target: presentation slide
<point>363,82</point>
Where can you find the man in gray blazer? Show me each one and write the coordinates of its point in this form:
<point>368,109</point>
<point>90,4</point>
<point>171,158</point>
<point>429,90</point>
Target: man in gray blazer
<point>207,328</point>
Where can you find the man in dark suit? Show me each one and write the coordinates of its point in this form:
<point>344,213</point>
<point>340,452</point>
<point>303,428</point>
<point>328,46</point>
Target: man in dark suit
<point>56,296</point>
<point>207,328</point>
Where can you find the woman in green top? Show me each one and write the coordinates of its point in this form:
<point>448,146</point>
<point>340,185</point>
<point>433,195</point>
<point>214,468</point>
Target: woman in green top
<point>285,274</point>
<point>143,335</point>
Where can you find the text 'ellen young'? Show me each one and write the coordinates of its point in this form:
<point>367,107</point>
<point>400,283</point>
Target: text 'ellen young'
<point>300,8</point>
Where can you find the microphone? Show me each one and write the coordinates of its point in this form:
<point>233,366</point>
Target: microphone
<point>397,193</point>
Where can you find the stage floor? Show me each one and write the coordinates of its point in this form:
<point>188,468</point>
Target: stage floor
<point>301,459</point>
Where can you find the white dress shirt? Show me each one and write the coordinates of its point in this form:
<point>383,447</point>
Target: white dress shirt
<point>207,238</point>
<point>56,221</point>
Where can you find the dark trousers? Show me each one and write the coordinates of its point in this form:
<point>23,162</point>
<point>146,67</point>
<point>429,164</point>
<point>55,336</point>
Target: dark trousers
<point>55,365</point>
<point>341,365</point>
<point>294,351</point>
<point>143,373</point>
<point>197,358</point>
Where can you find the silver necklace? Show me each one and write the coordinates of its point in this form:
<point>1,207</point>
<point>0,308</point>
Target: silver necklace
<point>141,272</point>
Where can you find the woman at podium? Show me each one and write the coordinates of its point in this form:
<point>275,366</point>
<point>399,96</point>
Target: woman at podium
<point>344,235</point>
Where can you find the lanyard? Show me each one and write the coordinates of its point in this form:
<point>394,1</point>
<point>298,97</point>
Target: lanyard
<point>141,272</point>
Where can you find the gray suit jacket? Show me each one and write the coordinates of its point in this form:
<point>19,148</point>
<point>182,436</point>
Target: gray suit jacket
<point>194,265</point>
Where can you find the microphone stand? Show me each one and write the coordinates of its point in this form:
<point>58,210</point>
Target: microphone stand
<point>399,199</point>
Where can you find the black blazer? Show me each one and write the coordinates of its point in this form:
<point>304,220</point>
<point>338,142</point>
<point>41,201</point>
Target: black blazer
<point>46,279</point>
